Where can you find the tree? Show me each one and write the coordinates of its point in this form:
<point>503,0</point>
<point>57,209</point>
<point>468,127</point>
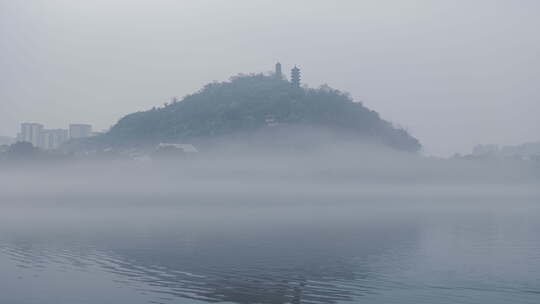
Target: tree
<point>243,104</point>
<point>22,149</point>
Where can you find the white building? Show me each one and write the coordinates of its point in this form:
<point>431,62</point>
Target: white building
<point>79,131</point>
<point>39,137</point>
<point>52,139</point>
<point>186,148</point>
<point>32,133</point>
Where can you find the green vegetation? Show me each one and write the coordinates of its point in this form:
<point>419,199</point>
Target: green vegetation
<point>24,152</point>
<point>248,103</point>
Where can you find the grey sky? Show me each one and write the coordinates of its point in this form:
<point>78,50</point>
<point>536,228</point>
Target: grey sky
<point>454,73</point>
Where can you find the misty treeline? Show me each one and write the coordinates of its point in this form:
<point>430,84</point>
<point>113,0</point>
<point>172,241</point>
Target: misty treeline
<point>344,170</point>
<point>247,103</point>
<point>24,152</point>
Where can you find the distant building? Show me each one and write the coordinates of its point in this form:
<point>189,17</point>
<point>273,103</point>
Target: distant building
<point>52,139</point>
<point>96,133</point>
<point>527,151</point>
<point>186,148</point>
<point>31,133</point>
<point>271,121</point>
<point>295,77</point>
<point>79,131</point>
<point>484,150</point>
<point>278,74</point>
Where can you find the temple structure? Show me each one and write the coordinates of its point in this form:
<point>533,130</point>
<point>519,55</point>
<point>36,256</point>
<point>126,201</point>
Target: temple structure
<point>295,77</point>
<point>278,74</point>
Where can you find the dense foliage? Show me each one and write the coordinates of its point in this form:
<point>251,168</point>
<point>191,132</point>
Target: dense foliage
<point>24,152</point>
<point>251,102</point>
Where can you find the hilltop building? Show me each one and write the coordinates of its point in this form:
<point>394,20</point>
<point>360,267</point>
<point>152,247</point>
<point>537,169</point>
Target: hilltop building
<point>279,74</point>
<point>295,77</point>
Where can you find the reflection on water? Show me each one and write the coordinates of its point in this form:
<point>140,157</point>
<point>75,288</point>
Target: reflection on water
<point>321,253</point>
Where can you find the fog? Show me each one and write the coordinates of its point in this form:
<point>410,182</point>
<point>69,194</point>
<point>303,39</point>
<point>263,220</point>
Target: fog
<point>303,218</point>
<point>302,166</point>
<point>454,73</point>
<point>290,200</point>
<point>340,223</point>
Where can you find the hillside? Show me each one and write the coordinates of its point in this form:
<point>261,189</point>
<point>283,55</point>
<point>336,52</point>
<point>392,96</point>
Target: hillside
<point>249,103</point>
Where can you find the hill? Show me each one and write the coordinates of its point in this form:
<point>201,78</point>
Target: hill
<point>249,103</point>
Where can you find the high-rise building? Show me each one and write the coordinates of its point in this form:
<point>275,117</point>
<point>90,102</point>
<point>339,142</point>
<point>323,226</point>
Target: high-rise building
<point>295,77</point>
<point>52,139</point>
<point>79,131</point>
<point>32,133</point>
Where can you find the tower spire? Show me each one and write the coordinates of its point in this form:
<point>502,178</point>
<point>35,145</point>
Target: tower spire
<point>295,77</point>
<point>278,74</point>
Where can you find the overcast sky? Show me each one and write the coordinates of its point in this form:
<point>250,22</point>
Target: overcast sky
<point>454,73</point>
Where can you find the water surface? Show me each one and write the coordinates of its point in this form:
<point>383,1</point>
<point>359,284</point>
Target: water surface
<point>290,250</point>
